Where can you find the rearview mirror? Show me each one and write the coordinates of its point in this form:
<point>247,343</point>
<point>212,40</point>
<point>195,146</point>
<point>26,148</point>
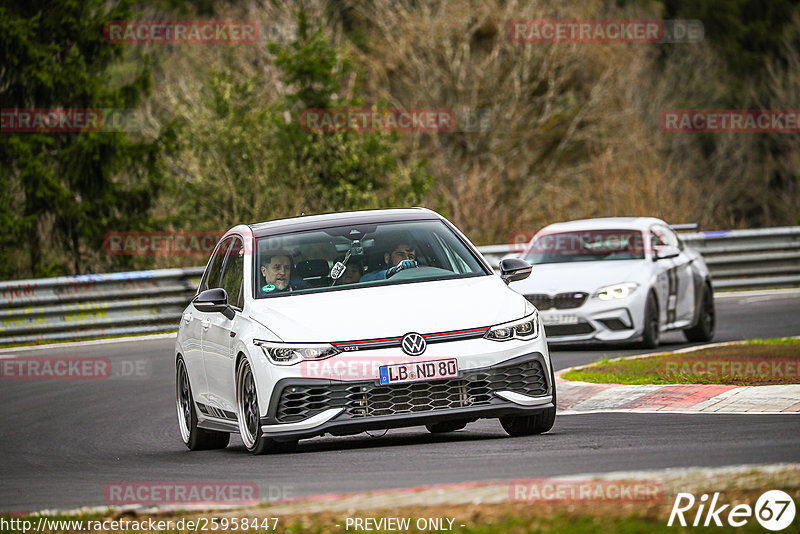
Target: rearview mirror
<point>214,300</point>
<point>514,270</point>
<point>666,252</point>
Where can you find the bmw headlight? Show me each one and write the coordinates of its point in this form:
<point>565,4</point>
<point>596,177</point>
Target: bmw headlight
<point>525,328</point>
<point>617,291</point>
<point>292,353</point>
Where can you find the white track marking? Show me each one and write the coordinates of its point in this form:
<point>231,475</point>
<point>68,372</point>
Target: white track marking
<point>88,343</point>
<point>773,293</point>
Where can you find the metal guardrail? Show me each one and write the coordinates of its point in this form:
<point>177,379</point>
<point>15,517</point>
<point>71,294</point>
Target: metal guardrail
<point>87,306</point>
<point>94,305</point>
<point>744,259</point>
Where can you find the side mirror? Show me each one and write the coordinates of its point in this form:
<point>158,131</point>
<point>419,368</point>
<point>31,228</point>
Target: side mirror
<point>514,270</point>
<point>666,252</point>
<point>214,300</point>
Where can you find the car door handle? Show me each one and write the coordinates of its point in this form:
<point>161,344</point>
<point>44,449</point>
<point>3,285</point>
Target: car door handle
<point>205,323</point>
<point>187,318</point>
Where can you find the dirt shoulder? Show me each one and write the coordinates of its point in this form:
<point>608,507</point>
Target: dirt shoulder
<point>531,505</point>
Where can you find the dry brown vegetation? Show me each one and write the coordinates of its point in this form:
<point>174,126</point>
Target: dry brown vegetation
<point>564,130</point>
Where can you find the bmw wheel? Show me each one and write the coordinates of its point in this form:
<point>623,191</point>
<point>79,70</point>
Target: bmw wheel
<point>196,439</point>
<point>704,329</point>
<point>248,415</point>
<point>651,331</point>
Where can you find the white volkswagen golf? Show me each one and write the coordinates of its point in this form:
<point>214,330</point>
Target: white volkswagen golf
<point>343,323</point>
<point>618,279</point>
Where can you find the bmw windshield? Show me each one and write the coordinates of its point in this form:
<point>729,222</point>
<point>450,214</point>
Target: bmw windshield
<point>360,255</point>
<point>588,245</point>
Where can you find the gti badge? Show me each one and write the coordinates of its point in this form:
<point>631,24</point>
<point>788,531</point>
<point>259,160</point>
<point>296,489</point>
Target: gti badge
<point>413,344</point>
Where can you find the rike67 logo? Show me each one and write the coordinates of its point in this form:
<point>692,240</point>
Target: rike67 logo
<point>774,510</point>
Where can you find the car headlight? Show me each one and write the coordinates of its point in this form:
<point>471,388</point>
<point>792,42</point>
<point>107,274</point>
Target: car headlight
<point>617,291</point>
<point>525,328</point>
<point>292,353</point>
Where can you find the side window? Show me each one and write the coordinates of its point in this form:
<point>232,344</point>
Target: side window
<point>674,238</point>
<point>233,273</point>
<point>663,236</point>
<point>211,276</point>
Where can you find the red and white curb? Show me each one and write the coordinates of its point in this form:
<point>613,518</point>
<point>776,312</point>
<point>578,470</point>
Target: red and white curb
<point>582,397</point>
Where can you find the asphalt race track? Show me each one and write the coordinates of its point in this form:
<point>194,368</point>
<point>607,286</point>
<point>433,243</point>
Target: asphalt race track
<point>62,441</point>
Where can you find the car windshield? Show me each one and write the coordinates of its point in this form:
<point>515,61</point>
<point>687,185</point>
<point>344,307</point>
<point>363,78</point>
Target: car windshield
<point>588,245</point>
<point>361,255</point>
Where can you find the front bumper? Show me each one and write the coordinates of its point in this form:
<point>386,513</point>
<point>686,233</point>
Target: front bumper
<point>597,321</point>
<point>304,408</point>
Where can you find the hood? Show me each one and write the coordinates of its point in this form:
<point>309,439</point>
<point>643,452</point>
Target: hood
<point>551,278</point>
<point>389,311</point>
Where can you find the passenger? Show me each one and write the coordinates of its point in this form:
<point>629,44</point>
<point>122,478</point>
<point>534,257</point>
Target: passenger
<point>401,256</point>
<point>352,273</point>
<point>276,268</point>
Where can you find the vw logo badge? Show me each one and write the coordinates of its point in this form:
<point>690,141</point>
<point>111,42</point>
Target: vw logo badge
<point>413,344</point>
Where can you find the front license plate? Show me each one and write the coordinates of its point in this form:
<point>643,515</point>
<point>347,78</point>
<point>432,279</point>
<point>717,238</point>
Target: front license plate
<point>559,318</point>
<point>415,372</point>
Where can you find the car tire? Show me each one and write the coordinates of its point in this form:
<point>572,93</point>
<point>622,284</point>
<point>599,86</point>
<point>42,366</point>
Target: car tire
<point>650,334</point>
<point>196,439</point>
<point>704,329</point>
<point>249,418</point>
<point>446,426</point>
<point>528,425</point>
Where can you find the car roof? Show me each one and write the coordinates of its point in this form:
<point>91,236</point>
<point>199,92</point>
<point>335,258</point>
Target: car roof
<point>311,222</point>
<point>605,223</point>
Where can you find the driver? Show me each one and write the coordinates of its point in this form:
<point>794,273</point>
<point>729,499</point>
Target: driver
<point>401,256</point>
<point>276,268</point>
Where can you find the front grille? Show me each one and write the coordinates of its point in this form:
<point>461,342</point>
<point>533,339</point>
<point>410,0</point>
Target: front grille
<point>562,301</point>
<point>565,301</point>
<point>556,330</point>
<point>367,399</point>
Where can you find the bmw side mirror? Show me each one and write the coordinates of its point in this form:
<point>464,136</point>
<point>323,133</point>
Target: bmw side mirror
<point>514,270</point>
<point>214,300</point>
<point>666,252</point>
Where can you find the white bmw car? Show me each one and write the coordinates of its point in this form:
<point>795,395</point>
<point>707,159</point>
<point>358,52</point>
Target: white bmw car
<point>344,323</point>
<point>619,279</point>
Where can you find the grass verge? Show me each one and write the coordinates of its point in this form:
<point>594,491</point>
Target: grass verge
<point>753,363</point>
